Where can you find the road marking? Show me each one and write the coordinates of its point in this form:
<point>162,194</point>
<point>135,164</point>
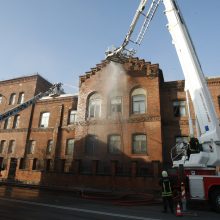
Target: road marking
<point>77,209</point>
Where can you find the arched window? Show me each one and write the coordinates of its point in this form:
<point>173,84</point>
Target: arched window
<point>12,99</point>
<point>20,98</point>
<point>94,108</point>
<point>138,98</point>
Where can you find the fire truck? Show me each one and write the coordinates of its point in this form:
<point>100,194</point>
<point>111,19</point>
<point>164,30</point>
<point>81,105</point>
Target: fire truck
<point>197,160</point>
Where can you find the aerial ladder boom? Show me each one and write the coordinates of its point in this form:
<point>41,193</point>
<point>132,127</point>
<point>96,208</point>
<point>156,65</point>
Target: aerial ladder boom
<point>121,53</point>
<point>207,123</point>
<point>52,91</point>
<point>208,127</point>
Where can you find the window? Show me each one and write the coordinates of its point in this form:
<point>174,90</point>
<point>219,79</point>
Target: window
<point>44,120</point>
<point>31,147</point>
<point>138,101</point>
<point>2,146</point>
<point>11,147</point>
<point>49,147</point>
<point>16,121</point>
<point>22,164</point>
<point>179,108</point>
<point>20,98</point>
<point>48,164</point>
<point>94,106</point>
<point>91,144</point>
<point>38,164</point>
<point>72,116</point>
<point>115,105</point>
<point>139,144</point>
<point>114,144</point>
<point>7,123</point>
<point>12,99</point>
<point>70,147</point>
<point>219,101</point>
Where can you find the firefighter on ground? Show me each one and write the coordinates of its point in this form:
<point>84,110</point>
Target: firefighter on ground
<point>167,194</point>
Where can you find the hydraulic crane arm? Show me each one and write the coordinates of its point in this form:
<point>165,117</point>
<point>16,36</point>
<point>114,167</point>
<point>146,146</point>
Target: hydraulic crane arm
<point>53,91</point>
<point>208,127</point>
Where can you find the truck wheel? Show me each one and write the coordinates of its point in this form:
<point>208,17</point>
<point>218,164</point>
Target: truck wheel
<point>215,199</point>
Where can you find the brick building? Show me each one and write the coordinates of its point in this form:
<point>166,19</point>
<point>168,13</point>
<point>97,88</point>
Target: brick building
<point>115,134</point>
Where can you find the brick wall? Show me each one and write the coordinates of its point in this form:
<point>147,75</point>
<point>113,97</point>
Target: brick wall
<point>120,80</point>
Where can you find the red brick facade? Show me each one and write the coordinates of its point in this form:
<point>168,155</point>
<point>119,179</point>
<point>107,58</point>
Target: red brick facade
<point>124,129</point>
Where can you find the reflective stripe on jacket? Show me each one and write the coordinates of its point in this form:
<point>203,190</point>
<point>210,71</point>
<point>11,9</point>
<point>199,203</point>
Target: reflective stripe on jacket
<point>166,188</point>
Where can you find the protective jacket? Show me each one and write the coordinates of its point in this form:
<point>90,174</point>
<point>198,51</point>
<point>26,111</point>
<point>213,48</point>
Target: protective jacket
<point>166,187</point>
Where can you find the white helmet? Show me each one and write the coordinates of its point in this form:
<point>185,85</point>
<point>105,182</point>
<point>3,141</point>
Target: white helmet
<point>164,174</point>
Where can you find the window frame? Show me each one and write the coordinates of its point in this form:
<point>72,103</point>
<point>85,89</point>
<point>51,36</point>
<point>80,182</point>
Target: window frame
<point>133,151</point>
<point>7,123</point>
<point>16,121</point>
<point>72,116</point>
<point>138,92</point>
<point>68,151</point>
<point>94,102</point>
<point>11,146</point>
<point>116,106</point>
<point>49,147</point>
<point>31,147</point>
<point>112,149</point>
<point>20,98</point>
<point>178,108</point>
<point>12,99</point>
<point>44,120</point>
<point>2,146</point>
<point>91,150</point>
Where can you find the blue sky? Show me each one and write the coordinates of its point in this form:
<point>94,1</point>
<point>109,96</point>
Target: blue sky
<point>62,39</point>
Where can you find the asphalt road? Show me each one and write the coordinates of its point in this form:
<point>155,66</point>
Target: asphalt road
<point>32,204</point>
